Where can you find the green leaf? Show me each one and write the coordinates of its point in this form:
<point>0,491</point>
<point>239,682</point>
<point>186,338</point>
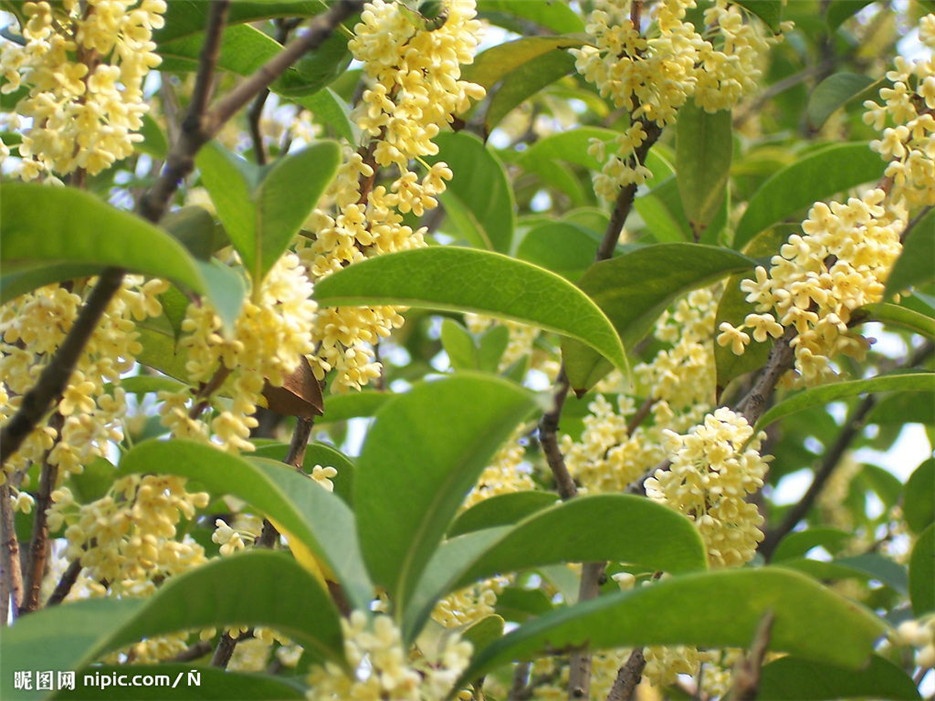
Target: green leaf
<point>466,280</point>
<point>425,450</point>
<point>479,201</point>
<point>459,345</point>
<point>770,11</point>
<point>160,352</point>
<point>227,591</point>
<point>798,543</point>
<point>483,632</point>
<point>342,407</point>
<point>555,16</point>
<point>190,683</point>
<point>184,17</point>
<point>321,520</point>
<point>804,680</point>
<point>289,191</point>
<point>633,289</point>
<point>501,510</point>
<point>31,276</point>
<point>708,609</point>
<point>243,50</point>
<point>564,248</point>
<point>61,226</point>
<point>841,10</point>
<point>814,177</point>
<point>704,147</point>
<point>263,208</point>
<point>895,315</point>
<point>586,529</point>
<point>661,210</point>
<point>918,506</point>
<point>819,396</point>
<point>922,573</point>
<point>226,289</point>
<point>498,62</point>
<point>230,181</point>
<point>196,229</point>
<point>914,265</point>
<point>834,92</point>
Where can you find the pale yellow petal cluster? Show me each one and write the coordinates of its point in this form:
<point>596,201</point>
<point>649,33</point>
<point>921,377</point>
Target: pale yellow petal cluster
<point>83,64</point>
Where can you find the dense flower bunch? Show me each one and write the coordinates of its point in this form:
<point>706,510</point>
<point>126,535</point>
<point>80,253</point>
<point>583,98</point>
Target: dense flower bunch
<point>268,341</point>
<point>818,280</point>
<point>714,467</point>
<point>127,540</point>
<point>414,90</point>
<point>909,146</point>
<point>84,64</point>
<point>92,408</point>
<point>679,388</point>
<point>383,669</point>
<point>652,75</point>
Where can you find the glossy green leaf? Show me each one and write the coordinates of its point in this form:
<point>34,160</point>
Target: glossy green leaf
<point>232,590</point>
<point>226,289</point>
<point>196,229</point>
<point>813,177</point>
<point>832,93</point>
<point>63,226</point>
<point>243,49</point>
<point>318,454</point>
<point>184,17</point>
<point>633,289</point>
<point>709,609</point>
<point>289,191</point>
<point>841,10</point>
<point>31,276</point>
<point>230,180</point>
<point>321,520</point>
<point>342,407</point>
<point>159,350</point>
<point>895,315</point>
<point>571,146</point>
<point>879,569</point>
<point>467,280</point>
<point>918,505</point>
<point>479,201</point>
<point>501,510</point>
<point>914,265</point>
<point>586,529</point>
<point>805,680</point>
<point>459,345</point>
<point>799,543</point>
<point>191,683</point>
<point>557,17</point>
<point>562,247</point>
<point>484,631</point>
<point>661,210</point>
<point>704,147</point>
<point>498,62</point>
<point>770,11</point>
<point>425,450</point>
<point>819,396</point>
<point>922,573</point>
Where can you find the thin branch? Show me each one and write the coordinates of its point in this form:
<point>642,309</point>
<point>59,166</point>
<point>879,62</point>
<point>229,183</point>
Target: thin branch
<point>226,646</point>
<point>11,574</point>
<point>256,134</point>
<point>39,545</point>
<point>193,652</point>
<point>781,360</point>
<point>626,197</point>
<point>912,223</point>
<point>65,583</point>
<point>748,670</point>
<point>852,428</point>
<point>628,677</point>
<point>579,672</point>
<point>548,437</point>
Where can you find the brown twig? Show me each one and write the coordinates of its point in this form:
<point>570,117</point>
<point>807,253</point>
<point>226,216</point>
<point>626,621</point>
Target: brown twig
<point>781,360</point>
<point>226,646</point>
<point>628,677</point>
<point>65,583</point>
<point>11,574</point>
<point>548,437</point>
<point>39,545</point>
<point>193,652</point>
<point>747,672</point>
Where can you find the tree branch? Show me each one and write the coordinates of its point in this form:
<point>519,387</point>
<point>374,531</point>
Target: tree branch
<point>781,359</point>
<point>628,677</point>
<point>548,437</point>
<point>11,574</point>
<point>747,672</point>
<point>65,584</point>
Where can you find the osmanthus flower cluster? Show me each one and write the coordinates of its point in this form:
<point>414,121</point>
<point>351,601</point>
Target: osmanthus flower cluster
<point>267,343</point>
<point>678,386</point>
<point>93,406</point>
<point>652,74</point>
<point>83,63</point>
<point>381,668</point>
<point>414,90</point>
<point>847,249</point>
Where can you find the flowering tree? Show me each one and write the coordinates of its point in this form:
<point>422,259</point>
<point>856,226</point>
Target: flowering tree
<point>466,350</point>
